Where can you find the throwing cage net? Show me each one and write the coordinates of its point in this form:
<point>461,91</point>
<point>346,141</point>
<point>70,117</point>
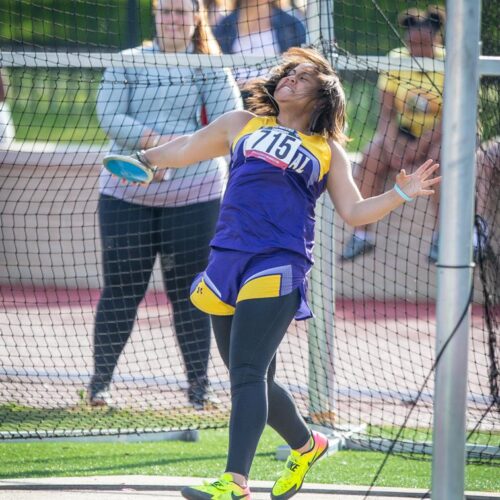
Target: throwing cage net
<point>363,367</point>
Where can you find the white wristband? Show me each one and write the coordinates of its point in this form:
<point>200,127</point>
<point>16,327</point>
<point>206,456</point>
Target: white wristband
<point>402,193</point>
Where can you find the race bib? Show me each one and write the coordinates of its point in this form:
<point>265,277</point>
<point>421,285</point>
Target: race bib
<point>275,145</point>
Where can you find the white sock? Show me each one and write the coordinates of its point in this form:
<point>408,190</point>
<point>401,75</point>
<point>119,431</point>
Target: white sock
<point>364,235</point>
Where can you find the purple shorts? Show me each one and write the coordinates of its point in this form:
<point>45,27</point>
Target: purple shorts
<point>233,276</point>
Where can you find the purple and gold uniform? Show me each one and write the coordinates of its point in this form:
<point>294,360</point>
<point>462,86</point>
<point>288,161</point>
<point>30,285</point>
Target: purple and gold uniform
<point>263,243</point>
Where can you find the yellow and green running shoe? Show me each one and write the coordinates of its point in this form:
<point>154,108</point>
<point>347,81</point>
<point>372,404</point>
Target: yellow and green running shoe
<point>222,489</point>
<point>297,466</point>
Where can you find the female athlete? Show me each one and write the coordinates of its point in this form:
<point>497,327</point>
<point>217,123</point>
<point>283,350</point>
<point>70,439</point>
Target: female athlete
<point>284,153</point>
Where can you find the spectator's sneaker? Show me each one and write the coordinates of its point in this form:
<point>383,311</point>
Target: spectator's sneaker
<point>297,466</point>
<point>356,246</point>
<point>222,489</point>
<point>201,397</point>
<point>100,398</point>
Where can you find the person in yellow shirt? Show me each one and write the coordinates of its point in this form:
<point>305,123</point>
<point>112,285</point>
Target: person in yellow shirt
<point>409,125</point>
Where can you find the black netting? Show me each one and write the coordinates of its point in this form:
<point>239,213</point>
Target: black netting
<point>362,367</point>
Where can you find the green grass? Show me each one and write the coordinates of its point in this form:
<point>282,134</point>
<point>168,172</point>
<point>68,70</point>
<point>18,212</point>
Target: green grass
<point>362,112</point>
<point>16,418</point>
<point>423,435</point>
<point>55,105</point>
<point>203,458</point>
<point>207,457</point>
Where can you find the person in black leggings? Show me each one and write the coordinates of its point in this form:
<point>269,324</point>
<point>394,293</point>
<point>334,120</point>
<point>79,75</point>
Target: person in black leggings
<point>284,155</point>
<point>132,237</point>
<point>251,356</point>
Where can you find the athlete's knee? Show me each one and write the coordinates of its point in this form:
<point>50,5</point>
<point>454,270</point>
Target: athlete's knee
<point>243,375</point>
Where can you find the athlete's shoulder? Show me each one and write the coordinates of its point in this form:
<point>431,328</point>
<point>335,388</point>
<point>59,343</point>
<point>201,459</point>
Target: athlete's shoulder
<point>241,116</point>
<point>245,123</point>
<point>339,154</point>
<point>235,121</point>
<point>257,121</point>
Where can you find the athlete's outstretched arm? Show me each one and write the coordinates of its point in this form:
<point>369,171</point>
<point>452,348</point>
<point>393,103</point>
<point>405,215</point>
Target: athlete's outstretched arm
<point>357,211</point>
<point>209,142</point>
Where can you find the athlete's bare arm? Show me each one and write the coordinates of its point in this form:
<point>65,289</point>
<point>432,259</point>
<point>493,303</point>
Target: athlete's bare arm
<point>209,142</point>
<point>357,211</point>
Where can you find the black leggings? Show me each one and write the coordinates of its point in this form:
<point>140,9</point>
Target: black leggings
<point>132,236</point>
<point>248,342</point>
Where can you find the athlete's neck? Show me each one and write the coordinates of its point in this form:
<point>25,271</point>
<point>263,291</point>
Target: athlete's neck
<point>293,121</point>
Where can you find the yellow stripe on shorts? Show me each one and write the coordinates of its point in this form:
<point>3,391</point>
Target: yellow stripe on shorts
<point>207,301</point>
<point>261,288</point>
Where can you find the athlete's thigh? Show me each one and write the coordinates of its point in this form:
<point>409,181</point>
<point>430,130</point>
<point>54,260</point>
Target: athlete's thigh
<point>222,332</point>
<point>258,328</point>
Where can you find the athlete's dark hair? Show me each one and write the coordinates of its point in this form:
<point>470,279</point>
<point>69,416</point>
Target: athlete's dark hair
<point>329,115</point>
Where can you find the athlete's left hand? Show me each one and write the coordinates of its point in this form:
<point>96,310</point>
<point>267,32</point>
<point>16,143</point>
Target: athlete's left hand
<point>420,182</point>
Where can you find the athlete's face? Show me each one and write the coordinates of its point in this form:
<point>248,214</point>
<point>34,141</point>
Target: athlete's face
<point>300,85</point>
<point>176,21</point>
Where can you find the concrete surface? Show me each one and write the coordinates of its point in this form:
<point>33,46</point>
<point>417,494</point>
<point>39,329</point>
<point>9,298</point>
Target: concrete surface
<point>144,487</point>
